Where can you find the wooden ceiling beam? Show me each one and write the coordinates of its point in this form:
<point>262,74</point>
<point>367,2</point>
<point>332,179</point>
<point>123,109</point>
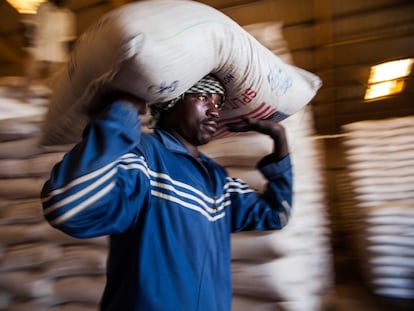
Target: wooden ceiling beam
<point>324,56</point>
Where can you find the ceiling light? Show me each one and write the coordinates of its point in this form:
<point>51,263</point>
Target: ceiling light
<point>25,6</point>
<point>384,89</point>
<point>388,78</point>
<point>390,70</point>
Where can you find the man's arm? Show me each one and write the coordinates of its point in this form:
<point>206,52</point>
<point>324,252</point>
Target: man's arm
<point>271,209</point>
<point>89,192</point>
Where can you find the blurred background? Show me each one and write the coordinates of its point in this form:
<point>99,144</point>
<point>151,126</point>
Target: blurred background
<point>350,245</point>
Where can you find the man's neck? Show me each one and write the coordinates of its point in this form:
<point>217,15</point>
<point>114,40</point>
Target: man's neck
<point>190,147</point>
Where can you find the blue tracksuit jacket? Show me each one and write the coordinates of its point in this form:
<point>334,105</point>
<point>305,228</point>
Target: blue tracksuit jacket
<point>168,214</point>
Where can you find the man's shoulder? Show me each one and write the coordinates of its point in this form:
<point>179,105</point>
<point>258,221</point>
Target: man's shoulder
<point>150,139</point>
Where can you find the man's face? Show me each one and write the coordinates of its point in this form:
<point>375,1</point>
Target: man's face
<point>195,118</point>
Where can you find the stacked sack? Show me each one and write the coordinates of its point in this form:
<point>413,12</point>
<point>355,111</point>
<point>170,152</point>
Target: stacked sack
<point>40,267</point>
<point>289,269</point>
<point>380,157</point>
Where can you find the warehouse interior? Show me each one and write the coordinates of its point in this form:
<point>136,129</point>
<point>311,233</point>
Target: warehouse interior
<point>341,42</point>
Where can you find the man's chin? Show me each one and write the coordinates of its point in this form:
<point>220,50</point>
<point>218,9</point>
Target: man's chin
<point>205,139</point>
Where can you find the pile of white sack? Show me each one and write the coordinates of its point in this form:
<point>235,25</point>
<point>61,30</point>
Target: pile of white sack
<point>40,267</point>
<point>380,172</point>
<point>289,269</point>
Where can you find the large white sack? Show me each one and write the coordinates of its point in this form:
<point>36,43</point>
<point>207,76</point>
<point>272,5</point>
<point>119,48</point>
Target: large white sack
<point>26,284</point>
<point>260,246</point>
<point>79,289</point>
<point>28,256</point>
<point>157,50</point>
<point>28,147</point>
<point>28,211</point>
<point>232,151</point>
<point>78,260</point>
<point>288,278</point>
<point>35,166</point>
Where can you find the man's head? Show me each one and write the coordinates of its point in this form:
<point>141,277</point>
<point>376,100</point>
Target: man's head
<point>193,116</point>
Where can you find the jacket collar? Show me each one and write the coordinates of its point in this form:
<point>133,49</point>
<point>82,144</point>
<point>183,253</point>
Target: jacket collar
<point>174,145</point>
<point>170,142</point>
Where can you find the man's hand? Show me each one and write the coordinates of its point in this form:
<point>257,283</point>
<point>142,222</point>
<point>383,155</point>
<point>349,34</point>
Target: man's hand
<point>139,104</point>
<point>268,127</point>
<point>109,98</point>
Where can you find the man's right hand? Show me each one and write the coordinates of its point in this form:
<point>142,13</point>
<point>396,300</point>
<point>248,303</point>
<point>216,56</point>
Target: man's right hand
<point>268,127</point>
<point>109,98</point>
